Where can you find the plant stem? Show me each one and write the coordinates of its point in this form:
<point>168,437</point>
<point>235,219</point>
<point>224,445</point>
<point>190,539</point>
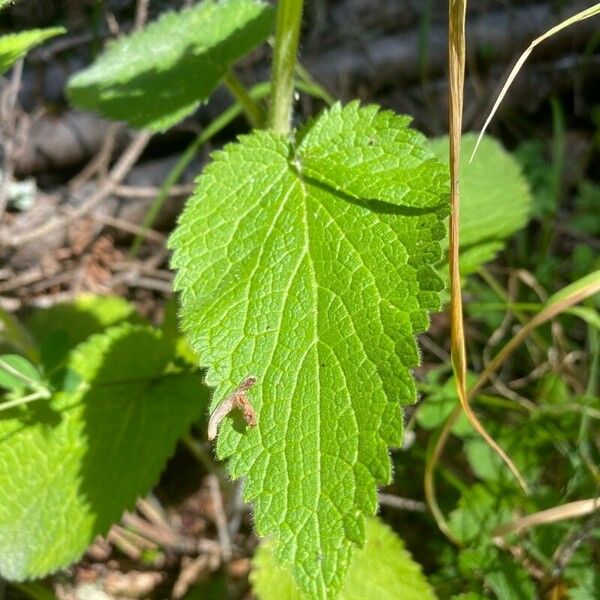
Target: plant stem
<point>255,115</point>
<point>287,35</point>
<point>41,395</point>
<point>309,85</point>
<point>256,93</point>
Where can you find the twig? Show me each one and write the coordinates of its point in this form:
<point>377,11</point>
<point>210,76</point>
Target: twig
<point>219,515</point>
<point>168,539</point>
<point>119,171</point>
<point>190,573</point>
<point>124,545</point>
<point>23,279</point>
<point>402,503</point>
<point>128,227</point>
<point>141,14</point>
<point>149,192</point>
<point>564,553</point>
<point>238,399</point>
<point>135,539</point>
<point>100,163</point>
<point>9,118</point>
<point>436,350</point>
<point>153,511</point>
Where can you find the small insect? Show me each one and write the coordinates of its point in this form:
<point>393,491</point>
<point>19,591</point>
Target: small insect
<point>237,399</point>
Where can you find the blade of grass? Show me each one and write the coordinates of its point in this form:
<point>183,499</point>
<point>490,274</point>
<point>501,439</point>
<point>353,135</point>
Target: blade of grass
<point>558,303</point>
<point>580,16</point>
<point>457,52</point>
<point>572,510</point>
<point>555,305</point>
<point>456,57</point>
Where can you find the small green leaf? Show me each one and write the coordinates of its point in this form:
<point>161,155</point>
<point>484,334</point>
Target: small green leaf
<point>495,200</point>
<point>17,373</point>
<point>70,466</point>
<point>482,508</point>
<point>439,403</point>
<point>315,281</point>
<point>382,569</point>
<point>15,45</point>
<point>156,77</point>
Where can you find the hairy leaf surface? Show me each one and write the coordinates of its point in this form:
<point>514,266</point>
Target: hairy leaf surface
<point>156,77</point>
<point>308,265</point>
<point>495,200</point>
<point>381,569</point>
<point>71,465</point>
<point>16,45</point>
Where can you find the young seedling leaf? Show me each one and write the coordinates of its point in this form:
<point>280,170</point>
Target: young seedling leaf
<point>16,45</point>
<point>381,569</point>
<point>71,465</point>
<point>156,77</point>
<point>17,373</point>
<point>494,195</point>
<point>308,265</point>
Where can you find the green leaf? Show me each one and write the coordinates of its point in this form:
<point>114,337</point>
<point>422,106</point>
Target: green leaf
<point>70,466</point>
<point>315,281</point>
<point>15,45</point>
<point>494,196</point>
<point>381,569</point>
<point>61,327</point>
<point>156,77</point>
<point>17,373</point>
<point>439,403</point>
<point>503,575</point>
<point>482,508</point>
<point>81,318</point>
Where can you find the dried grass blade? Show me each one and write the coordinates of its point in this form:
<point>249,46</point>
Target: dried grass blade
<point>580,16</point>
<point>457,52</point>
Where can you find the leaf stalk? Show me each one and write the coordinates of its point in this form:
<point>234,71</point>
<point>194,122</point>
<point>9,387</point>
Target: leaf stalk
<point>252,110</point>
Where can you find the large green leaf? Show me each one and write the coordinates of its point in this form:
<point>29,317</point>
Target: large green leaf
<point>308,265</point>
<point>71,465</point>
<point>156,77</point>
<point>381,570</point>
<point>16,45</point>
<point>61,327</point>
<point>79,319</point>
<point>495,200</point>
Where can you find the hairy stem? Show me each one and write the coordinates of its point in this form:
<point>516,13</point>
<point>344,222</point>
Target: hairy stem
<point>287,35</point>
